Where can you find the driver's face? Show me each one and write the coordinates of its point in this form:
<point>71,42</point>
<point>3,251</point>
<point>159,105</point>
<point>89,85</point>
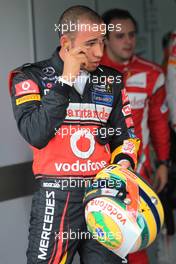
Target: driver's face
<point>93,40</point>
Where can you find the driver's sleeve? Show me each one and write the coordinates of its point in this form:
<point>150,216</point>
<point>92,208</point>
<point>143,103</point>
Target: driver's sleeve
<point>123,145</point>
<point>158,120</point>
<point>37,117</point>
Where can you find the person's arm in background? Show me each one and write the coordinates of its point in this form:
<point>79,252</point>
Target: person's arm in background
<point>159,130</point>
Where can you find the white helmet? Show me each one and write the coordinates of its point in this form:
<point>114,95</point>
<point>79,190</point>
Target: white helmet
<point>122,211</point>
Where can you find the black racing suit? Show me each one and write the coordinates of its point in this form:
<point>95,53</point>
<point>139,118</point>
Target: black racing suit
<point>43,107</point>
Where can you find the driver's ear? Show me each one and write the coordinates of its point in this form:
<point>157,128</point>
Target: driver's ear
<point>65,42</point>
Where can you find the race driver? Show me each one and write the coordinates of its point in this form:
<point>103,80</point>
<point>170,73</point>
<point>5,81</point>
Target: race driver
<point>63,106</point>
<point>144,82</point>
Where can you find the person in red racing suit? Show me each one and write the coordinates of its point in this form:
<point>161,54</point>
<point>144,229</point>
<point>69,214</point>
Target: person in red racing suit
<point>66,120</point>
<point>144,82</point>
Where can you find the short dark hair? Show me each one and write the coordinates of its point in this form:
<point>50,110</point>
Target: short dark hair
<point>116,13</point>
<point>74,14</point>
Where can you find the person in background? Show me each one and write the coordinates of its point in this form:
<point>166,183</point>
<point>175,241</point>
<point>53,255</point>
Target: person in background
<point>145,85</point>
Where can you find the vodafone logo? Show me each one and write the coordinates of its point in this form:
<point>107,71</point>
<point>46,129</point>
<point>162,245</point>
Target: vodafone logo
<point>108,208</point>
<point>25,85</point>
<point>76,142</point>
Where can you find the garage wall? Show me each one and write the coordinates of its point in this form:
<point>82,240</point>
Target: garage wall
<point>166,10</point>
<point>15,49</point>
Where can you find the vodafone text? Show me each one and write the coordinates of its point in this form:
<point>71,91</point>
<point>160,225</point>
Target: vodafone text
<point>83,167</point>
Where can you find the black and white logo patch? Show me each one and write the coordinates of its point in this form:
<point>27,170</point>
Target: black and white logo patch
<point>48,71</point>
